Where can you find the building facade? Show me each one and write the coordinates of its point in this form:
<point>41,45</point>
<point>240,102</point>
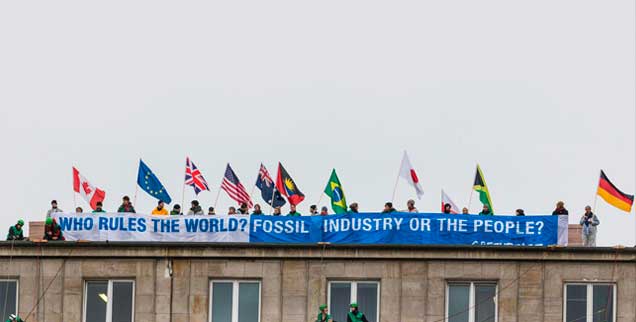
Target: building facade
<point>145,282</point>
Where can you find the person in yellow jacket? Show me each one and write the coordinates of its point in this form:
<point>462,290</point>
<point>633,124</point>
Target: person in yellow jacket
<point>160,210</point>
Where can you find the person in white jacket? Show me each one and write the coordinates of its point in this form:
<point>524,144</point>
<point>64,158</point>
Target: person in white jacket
<point>589,222</point>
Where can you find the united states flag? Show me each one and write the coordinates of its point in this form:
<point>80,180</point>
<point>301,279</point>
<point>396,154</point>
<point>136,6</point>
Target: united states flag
<point>194,178</point>
<point>234,188</point>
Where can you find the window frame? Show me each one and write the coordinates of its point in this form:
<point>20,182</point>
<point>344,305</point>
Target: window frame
<point>471,297</point>
<point>235,296</point>
<point>354,291</point>
<point>589,298</point>
<point>109,294</point>
<point>17,291</point>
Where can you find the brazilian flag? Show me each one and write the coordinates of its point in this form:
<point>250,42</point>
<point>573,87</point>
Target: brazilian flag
<point>480,186</point>
<point>334,191</point>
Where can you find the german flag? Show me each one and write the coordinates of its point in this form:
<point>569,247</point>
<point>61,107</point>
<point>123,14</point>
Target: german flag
<point>608,191</point>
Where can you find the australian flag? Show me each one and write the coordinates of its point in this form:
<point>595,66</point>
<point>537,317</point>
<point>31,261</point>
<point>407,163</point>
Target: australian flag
<point>268,191</point>
<point>151,184</point>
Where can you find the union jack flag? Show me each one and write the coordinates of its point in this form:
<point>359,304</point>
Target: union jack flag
<point>234,188</point>
<point>194,178</point>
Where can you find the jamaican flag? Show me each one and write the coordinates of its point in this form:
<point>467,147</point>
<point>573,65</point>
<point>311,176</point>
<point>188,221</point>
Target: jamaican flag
<point>480,186</point>
<point>334,191</point>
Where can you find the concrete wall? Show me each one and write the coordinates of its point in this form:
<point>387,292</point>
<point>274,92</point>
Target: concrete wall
<point>294,279</point>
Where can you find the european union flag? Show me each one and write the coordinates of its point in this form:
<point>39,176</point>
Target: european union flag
<point>149,183</point>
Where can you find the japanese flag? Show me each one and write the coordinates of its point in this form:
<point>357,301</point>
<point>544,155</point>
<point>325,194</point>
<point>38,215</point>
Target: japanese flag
<point>90,193</point>
<point>408,173</point>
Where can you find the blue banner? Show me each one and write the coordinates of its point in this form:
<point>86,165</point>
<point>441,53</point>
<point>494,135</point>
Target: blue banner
<point>407,229</point>
<point>370,228</point>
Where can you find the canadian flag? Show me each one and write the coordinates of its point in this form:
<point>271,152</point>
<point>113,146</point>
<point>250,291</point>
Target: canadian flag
<point>90,193</point>
<point>447,200</point>
<point>408,173</point>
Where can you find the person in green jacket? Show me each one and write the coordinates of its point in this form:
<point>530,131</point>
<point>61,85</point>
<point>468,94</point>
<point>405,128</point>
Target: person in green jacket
<point>98,207</point>
<point>292,211</point>
<point>14,318</point>
<point>15,232</point>
<point>355,315</point>
<point>485,211</point>
<point>323,316</point>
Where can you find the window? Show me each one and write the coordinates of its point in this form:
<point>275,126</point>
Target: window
<point>8,298</point>
<point>471,302</point>
<point>235,301</point>
<point>365,293</point>
<point>109,301</point>
<point>589,302</point>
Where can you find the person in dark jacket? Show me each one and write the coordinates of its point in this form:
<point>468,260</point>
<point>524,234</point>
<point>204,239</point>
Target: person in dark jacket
<point>447,208</point>
<point>243,209</point>
<point>15,232</point>
<point>520,212</point>
<point>353,208</point>
<point>52,231</point>
<point>98,207</point>
<point>560,209</point>
<point>485,211</point>
<point>388,208</point>
<point>126,206</point>
<point>176,210</point>
<point>257,210</point>
<point>355,315</point>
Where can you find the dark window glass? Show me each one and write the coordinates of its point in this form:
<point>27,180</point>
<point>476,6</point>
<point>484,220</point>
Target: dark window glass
<point>340,299</point>
<point>368,300</point>
<point>458,302</point>
<point>8,300</point>
<point>602,303</point>
<point>222,302</point>
<point>96,301</point>
<point>248,302</point>
<point>576,303</point>
<point>485,302</point>
<point>122,302</point>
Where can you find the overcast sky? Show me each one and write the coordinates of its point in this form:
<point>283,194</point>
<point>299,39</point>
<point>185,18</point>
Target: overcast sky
<point>540,93</point>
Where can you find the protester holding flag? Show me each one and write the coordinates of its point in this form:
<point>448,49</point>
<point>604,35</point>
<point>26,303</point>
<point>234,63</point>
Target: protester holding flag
<point>589,222</point>
<point>287,187</point>
<point>447,209</point>
<point>336,194</point>
<point>126,206</point>
<point>150,183</point>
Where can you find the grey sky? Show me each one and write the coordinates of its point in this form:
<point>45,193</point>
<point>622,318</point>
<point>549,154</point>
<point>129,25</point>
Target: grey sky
<point>540,93</point>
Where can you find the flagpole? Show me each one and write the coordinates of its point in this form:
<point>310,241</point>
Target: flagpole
<point>470,199</point>
<point>397,179</point>
<point>183,188</point>
<point>74,199</point>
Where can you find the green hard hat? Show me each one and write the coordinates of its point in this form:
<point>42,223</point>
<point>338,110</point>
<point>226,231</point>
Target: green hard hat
<point>322,307</point>
<point>48,221</point>
<point>20,222</point>
<point>354,304</point>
